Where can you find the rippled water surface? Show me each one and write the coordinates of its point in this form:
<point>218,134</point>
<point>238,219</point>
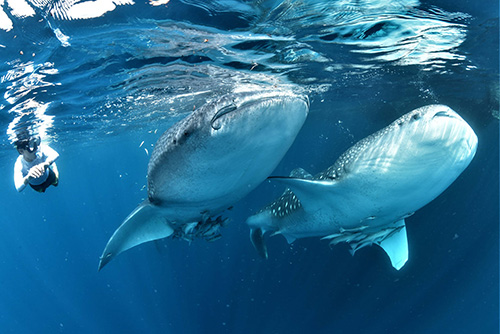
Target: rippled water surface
<point>101,80</point>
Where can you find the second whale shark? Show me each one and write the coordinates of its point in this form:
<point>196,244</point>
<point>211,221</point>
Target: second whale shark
<point>208,161</point>
<point>365,196</point>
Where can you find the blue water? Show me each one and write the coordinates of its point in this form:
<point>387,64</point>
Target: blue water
<point>102,89</point>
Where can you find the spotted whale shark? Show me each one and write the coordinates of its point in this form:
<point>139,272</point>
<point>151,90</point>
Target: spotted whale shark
<point>208,161</point>
<point>366,195</point>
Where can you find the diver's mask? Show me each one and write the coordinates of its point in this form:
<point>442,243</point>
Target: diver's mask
<point>33,144</point>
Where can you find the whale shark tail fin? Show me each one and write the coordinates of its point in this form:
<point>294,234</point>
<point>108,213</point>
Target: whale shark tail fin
<point>144,224</point>
<point>257,238</point>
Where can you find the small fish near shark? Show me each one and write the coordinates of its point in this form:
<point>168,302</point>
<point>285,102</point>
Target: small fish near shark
<point>365,196</point>
<point>208,161</point>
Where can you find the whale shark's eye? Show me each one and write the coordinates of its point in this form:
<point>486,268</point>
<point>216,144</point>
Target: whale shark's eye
<point>415,117</point>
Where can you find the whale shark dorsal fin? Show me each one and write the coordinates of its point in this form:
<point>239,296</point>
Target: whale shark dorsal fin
<point>309,192</point>
<point>300,173</point>
<point>396,246</point>
<point>144,224</point>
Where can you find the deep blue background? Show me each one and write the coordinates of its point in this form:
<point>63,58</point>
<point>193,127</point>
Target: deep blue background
<point>50,243</point>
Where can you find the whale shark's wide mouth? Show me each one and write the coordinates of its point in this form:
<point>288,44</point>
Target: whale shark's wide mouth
<point>268,100</point>
<point>447,124</point>
<point>249,98</point>
<point>254,100</point>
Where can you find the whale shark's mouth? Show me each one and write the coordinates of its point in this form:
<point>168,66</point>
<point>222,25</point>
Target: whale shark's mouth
<point>254,101</point>
<point>468,136</point>
<point>261,96</point>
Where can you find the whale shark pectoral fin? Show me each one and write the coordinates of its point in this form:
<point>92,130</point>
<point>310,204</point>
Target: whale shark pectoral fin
<point>257,238</point>
<point>396,246</point>
<point>289,238</point>
<point>144,224</point>
<point>311,193</point>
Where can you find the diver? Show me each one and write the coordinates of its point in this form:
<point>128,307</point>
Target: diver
<point>35,165</point>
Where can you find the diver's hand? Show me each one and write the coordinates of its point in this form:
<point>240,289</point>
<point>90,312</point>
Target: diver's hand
<point>36,171</point>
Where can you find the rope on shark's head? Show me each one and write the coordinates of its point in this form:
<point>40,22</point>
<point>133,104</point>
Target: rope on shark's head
<point>223,111</point>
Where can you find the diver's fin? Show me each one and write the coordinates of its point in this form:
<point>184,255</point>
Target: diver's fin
<point>309,192</point>
<point>257,238</point>
<point>144,224</point>
<point>396,246</point>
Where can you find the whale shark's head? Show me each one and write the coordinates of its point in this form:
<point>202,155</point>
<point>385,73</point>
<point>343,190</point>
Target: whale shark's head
<point>437,133</point>
<point>425,142</point>
<point>241,111</point>
<point>417,156</point>
<point>226,148</point>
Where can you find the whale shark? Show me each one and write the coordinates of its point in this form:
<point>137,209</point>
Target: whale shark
<point>366,195</point>
<point>209,160</point>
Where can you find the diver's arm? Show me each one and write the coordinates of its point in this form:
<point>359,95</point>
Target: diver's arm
<point>51,154</point>
<point>20,180</point>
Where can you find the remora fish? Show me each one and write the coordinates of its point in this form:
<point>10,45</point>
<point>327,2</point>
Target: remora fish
<point>365,196</point>
<point>208,161</point>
